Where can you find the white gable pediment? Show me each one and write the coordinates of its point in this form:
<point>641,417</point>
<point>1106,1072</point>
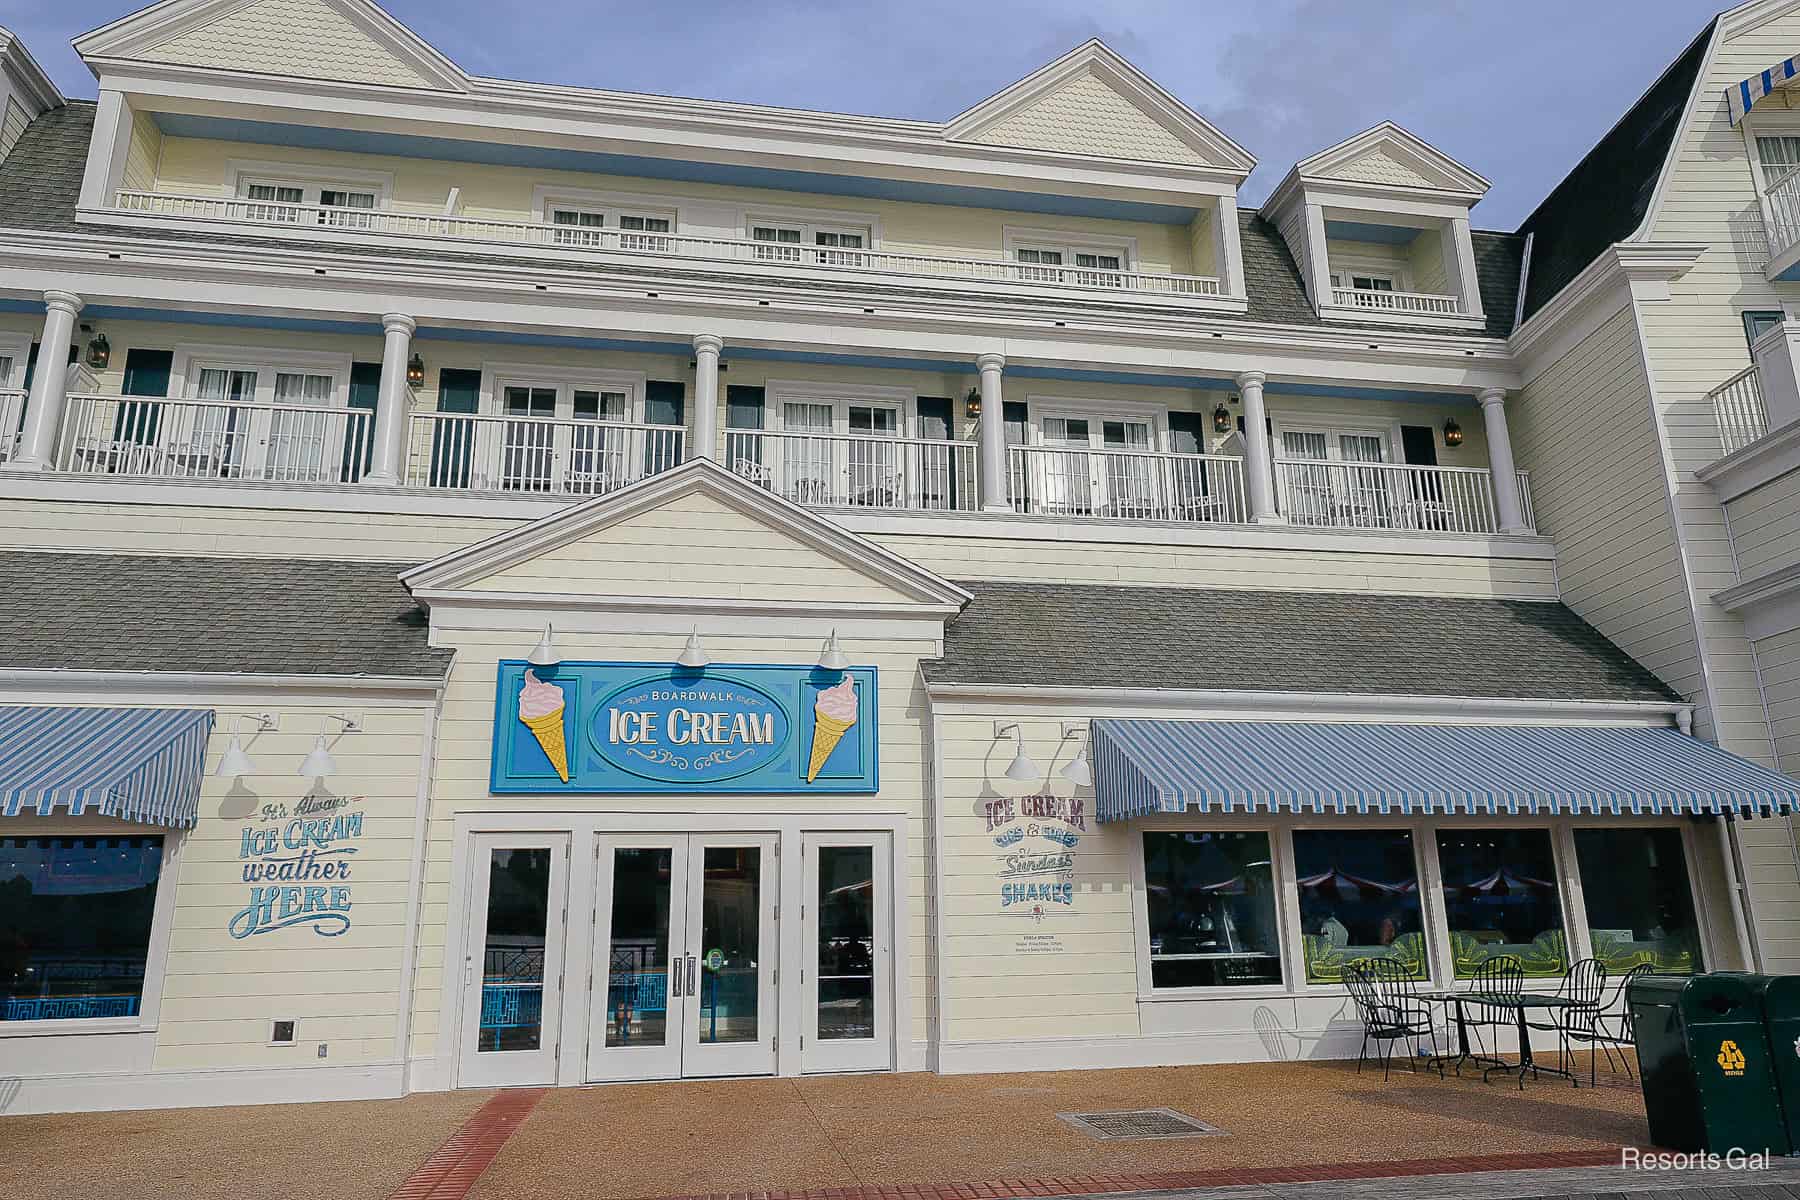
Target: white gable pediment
<point>1389,156</point>
<point>349,41</point>
<point>697,535</point>
<point>1092,102</point>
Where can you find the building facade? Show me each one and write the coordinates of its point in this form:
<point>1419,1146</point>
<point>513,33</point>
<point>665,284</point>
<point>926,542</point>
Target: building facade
<point>517,584</point>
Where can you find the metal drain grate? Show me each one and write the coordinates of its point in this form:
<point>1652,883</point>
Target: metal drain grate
<point>1139,1124</point>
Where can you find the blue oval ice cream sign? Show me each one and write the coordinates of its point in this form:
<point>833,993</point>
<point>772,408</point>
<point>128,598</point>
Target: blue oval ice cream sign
<point>689,730</point>
<point>642,727</point>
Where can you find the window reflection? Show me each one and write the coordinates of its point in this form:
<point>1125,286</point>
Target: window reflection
<point>1500,898</point>
<point>1359,898</point>
<point>846,963</point>
<point>1640,909</point>
<point>1211,903</point>
<point>75,917</point>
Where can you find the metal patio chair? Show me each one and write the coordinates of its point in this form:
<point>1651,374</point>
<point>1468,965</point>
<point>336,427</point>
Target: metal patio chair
<point>1501,977</point>
<point>1388,1010</point>
<point>1582,986</point>
<point>1609,1024</point>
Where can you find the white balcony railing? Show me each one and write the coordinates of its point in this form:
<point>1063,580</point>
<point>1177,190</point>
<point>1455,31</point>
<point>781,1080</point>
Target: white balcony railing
<point>1391,496</point>
<point>162,438</point>
<point>576,239</point>
<point>1781,215</point>
<point>12,415</point>
<point>548,455</point>
<point>858,470</point>
<point>1132,485</point>
<point>1411,303</point>
<point>1738,405</point>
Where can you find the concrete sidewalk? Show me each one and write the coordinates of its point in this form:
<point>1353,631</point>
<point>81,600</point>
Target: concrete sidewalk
<point>1780,1181</point>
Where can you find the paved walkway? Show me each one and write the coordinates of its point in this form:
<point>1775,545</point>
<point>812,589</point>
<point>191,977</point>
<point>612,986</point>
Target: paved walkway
<point>1781,1181</point>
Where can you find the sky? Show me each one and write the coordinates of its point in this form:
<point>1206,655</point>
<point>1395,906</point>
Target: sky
<point>1517,90</point>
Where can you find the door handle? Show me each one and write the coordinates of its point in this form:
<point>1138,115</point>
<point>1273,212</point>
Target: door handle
<point>675,978</point>
<point>693,975</point>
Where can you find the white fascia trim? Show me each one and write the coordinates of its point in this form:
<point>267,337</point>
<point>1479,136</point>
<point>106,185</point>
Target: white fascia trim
<point>38,85</point>
<point>1426,157</point>
<point>468,608</point>
<point>20,683</point>
<point>957,698</point>
<point>1349,312</point>
<point>1762,462</point>
<point>1649,267</point>
<point>1769,604</point>
<point>364,287</point>
<point>1690,107</point>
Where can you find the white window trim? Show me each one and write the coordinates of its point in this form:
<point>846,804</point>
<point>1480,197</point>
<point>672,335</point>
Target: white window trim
<point>1779,123</point>
<point>611,205</point>
<point>190,359</point>
<point>1094,411</point>
<point>310,177</point>
<point>1344,266</point>
<point>1433,917</point>
<point>1069,242</point>
<point>156,957</point>
<point>779,393</point>
<point>810,221</point>
<point>1312,423</point>
<point>497,376</point>
<point>16,346</point>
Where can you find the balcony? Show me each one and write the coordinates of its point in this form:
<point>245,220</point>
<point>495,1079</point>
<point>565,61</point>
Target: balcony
<point>1738,406</point>
<point>12,412</point>
<point>584,243</point>
<point>152,438</point>
<point>1408,303</point>
<point>1781,227</point>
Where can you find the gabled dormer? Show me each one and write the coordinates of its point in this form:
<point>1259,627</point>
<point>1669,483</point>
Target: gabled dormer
<point>26,92</point>
<point>1380,227</point>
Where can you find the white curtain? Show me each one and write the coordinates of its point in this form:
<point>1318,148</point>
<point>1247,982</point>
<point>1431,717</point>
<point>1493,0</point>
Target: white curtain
<point>298,441</point>
<point>214,433</point>
<point>806,461</point>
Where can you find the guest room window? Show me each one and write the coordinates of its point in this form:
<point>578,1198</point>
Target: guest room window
<point>1359,898</point>
<point>1640,907</point>
<point>585,226</point>
<point>1501,898</point>
<point>1211,903</point>
<point>832,245</point>
<point>75,923</point>
<point>339,205</point>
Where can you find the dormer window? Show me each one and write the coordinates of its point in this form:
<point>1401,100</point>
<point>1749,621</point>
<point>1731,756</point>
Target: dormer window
<point>610,228</point>
<point>831,245</point>
<point>1045,256</point>
<point>321,200</point>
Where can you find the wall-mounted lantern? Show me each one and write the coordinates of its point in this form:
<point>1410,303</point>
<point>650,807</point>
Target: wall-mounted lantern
<point>1221,419</point>
<point>972,404</point>
<point>415,370</point>
<point>99,352</point>
<point>1453,434</point>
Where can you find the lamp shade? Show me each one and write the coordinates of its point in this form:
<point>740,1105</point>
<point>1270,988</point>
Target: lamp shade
<point>1080,771</point>
<point>234,763</point>
<point>693,655</point>
<point>1022,769</point>
<point>831,657</point>
<point>318,763</point>
<point>544,653</point>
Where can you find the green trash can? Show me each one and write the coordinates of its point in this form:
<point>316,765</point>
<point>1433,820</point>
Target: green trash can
<point>1779,998</point>
<point>1703,1060</point>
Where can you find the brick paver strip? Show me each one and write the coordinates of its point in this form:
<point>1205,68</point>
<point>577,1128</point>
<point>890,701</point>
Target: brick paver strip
<point>1099,1185</point>
<point>454,1166</point>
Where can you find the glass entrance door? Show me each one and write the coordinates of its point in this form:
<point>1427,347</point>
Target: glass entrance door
<point>844,978</point>
<point>512,966</point>
<point>684,957</point>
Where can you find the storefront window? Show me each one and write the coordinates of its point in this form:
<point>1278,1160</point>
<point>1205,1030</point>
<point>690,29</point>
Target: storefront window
<point>75,916</point>
<point>1640,909</point>
<point>1501,899</point>
<point>1359,898</point>
<point>1212,910</point>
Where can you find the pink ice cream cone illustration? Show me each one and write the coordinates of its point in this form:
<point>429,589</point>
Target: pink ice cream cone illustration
<point>541,709</point>
<point>833,714</point>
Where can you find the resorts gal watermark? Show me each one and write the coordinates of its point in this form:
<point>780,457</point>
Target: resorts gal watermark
<point>1633,1159</point>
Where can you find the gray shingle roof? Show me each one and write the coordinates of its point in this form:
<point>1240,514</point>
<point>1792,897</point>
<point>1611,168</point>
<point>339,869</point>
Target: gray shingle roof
<point>258,616</point>
<point>41,181</point>
<point>1068,635</point>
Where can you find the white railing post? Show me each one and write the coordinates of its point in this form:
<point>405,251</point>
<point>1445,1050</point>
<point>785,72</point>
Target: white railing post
<point>992,474</point>
<point>706,396</point>
<point>1510,510</point>
<point>49,385</point>
<point>1258,477</point>
<point>392,402</point>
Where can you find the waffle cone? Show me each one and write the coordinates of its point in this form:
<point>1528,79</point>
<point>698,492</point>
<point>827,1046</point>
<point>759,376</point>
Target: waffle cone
<point>548,729</point>
<point>827,733</point>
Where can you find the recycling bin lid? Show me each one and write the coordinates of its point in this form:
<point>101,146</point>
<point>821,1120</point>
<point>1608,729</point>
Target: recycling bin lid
<point>1779,994</point>
<point>1657,989</point>
<point>1720,995</point>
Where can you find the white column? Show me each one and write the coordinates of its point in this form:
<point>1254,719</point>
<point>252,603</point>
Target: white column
<point>1318,257</point>
<point>1228,254</point>
<point>49,386</point>
<point>1459,263</point>
<point>706,396</point>
<point>1509,507</point>
<point>392,402</point>
<point>108,148</point>
<point>1259,473</point>
<point>993,435</point>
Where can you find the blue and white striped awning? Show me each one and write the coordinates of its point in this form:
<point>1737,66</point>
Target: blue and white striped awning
<point>1743,95</point>
<point>1145,767</point>
<point>137,764</point>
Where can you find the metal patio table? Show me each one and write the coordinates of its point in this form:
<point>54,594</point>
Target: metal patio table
<point>1519,1005</point>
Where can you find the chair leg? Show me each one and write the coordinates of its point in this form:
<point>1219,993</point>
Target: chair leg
<point>1362,1054</point>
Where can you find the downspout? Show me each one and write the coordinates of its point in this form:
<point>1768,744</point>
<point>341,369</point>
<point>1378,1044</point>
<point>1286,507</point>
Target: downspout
<point>1732,856</point>
<point>409,955</point>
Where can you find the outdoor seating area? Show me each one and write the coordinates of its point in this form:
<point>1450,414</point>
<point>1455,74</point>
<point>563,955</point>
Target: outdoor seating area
<point>1398,1008</point>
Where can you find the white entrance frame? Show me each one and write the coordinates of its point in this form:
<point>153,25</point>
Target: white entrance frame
<point>877,1053</point>
<point>641,814</point>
